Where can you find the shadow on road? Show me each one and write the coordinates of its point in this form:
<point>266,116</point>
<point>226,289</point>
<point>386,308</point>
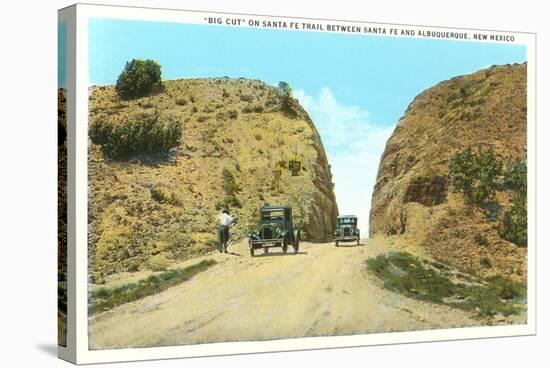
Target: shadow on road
<point>233,254</point>
<point>280,254</point>
<point>350,245</point>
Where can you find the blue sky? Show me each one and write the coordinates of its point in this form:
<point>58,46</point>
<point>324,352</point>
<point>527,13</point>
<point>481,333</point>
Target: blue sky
<point>61,53</point>
<point>355,87</point>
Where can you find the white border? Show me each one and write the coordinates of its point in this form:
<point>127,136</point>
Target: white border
<point>83,355</point>
<point>68,352</point>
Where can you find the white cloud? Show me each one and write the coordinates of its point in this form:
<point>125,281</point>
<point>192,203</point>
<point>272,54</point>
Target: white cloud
<point>354,147</point>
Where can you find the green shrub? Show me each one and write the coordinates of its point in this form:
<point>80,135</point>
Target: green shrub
<point>516,176</point>
<point>246,98</point>
<point>139,78</point>
<point>107,298</point>
<point>514,223</point>
<point>163,195</point>
<point>229,184</point>
<point>485,262</point>
<point>481,240</point>
<point>158,195</point>
<point>475,175</point>
<point>231,188</point>
<point>232,114</point>
<point>406,274</point>
<point>252,108</point>
<point>133,266</point>
<point>121,136</point>
<point>229,201</point>
<point>287,101</point>
<point>507,289</point>
<point>430,281</point>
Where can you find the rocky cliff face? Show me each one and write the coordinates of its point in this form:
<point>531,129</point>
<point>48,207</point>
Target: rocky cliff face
<point>61,217</point>
<point>413,197</point>
<point>235,150</point>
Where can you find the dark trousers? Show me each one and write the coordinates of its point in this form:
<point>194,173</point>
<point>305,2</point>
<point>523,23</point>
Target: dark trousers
<point>223,237</point>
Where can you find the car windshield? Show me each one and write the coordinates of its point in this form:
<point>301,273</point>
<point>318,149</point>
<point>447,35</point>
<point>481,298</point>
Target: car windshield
<point>347,221</point>
<point>273,215</point>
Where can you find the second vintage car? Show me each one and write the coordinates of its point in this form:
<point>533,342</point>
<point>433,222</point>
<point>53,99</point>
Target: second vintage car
<point>346,230</point>
<point>275,229</point>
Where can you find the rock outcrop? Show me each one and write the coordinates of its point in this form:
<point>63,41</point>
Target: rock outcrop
<point>237,141</point>
<point>61,217</point>
<point>413,197</point>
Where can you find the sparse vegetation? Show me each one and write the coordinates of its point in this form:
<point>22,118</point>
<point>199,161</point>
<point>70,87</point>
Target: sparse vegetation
<point>246,98</point>
<point>302,197</point>
<point>475,175</point>
<point>481,240</point>
<point>232,114</point>
<point>514,223</point>
<point>287,100</point>
<point>231,188</point>
<point>485,262</point>
<point>159,262</point>
<point>516,177</point>
<point>158,195</point>
<point>425,280</point>
<point>163,195</point>
<point>139,78</point>
<point>121,136</point>
<point>107,298</point>
<point>252,108</point>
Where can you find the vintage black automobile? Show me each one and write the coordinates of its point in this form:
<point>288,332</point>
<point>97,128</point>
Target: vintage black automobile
<point>346,230</point>
<point>275,229</point>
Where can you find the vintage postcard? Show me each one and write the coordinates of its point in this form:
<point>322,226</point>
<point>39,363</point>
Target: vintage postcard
<point>242,183</point>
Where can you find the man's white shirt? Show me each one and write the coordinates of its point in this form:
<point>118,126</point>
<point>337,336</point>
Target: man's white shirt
<point>225,219</point>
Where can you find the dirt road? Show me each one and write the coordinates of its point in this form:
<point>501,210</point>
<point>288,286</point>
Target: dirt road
<point>322,290</point>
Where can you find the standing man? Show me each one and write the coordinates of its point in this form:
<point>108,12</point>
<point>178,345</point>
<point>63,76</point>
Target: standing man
<point>223,229</point>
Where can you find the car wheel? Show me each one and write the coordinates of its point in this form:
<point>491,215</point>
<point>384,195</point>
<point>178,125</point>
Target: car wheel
<point>266,250</point>
<point>337,244</point>
<point>251,252</point>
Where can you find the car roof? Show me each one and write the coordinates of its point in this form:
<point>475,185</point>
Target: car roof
<point>268,208</point>
<point>347,216</point>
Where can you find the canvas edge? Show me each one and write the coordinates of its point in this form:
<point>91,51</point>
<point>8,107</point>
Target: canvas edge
<point>77,350</point>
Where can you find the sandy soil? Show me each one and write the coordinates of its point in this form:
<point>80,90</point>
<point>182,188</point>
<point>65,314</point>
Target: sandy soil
<point>322,290</point>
